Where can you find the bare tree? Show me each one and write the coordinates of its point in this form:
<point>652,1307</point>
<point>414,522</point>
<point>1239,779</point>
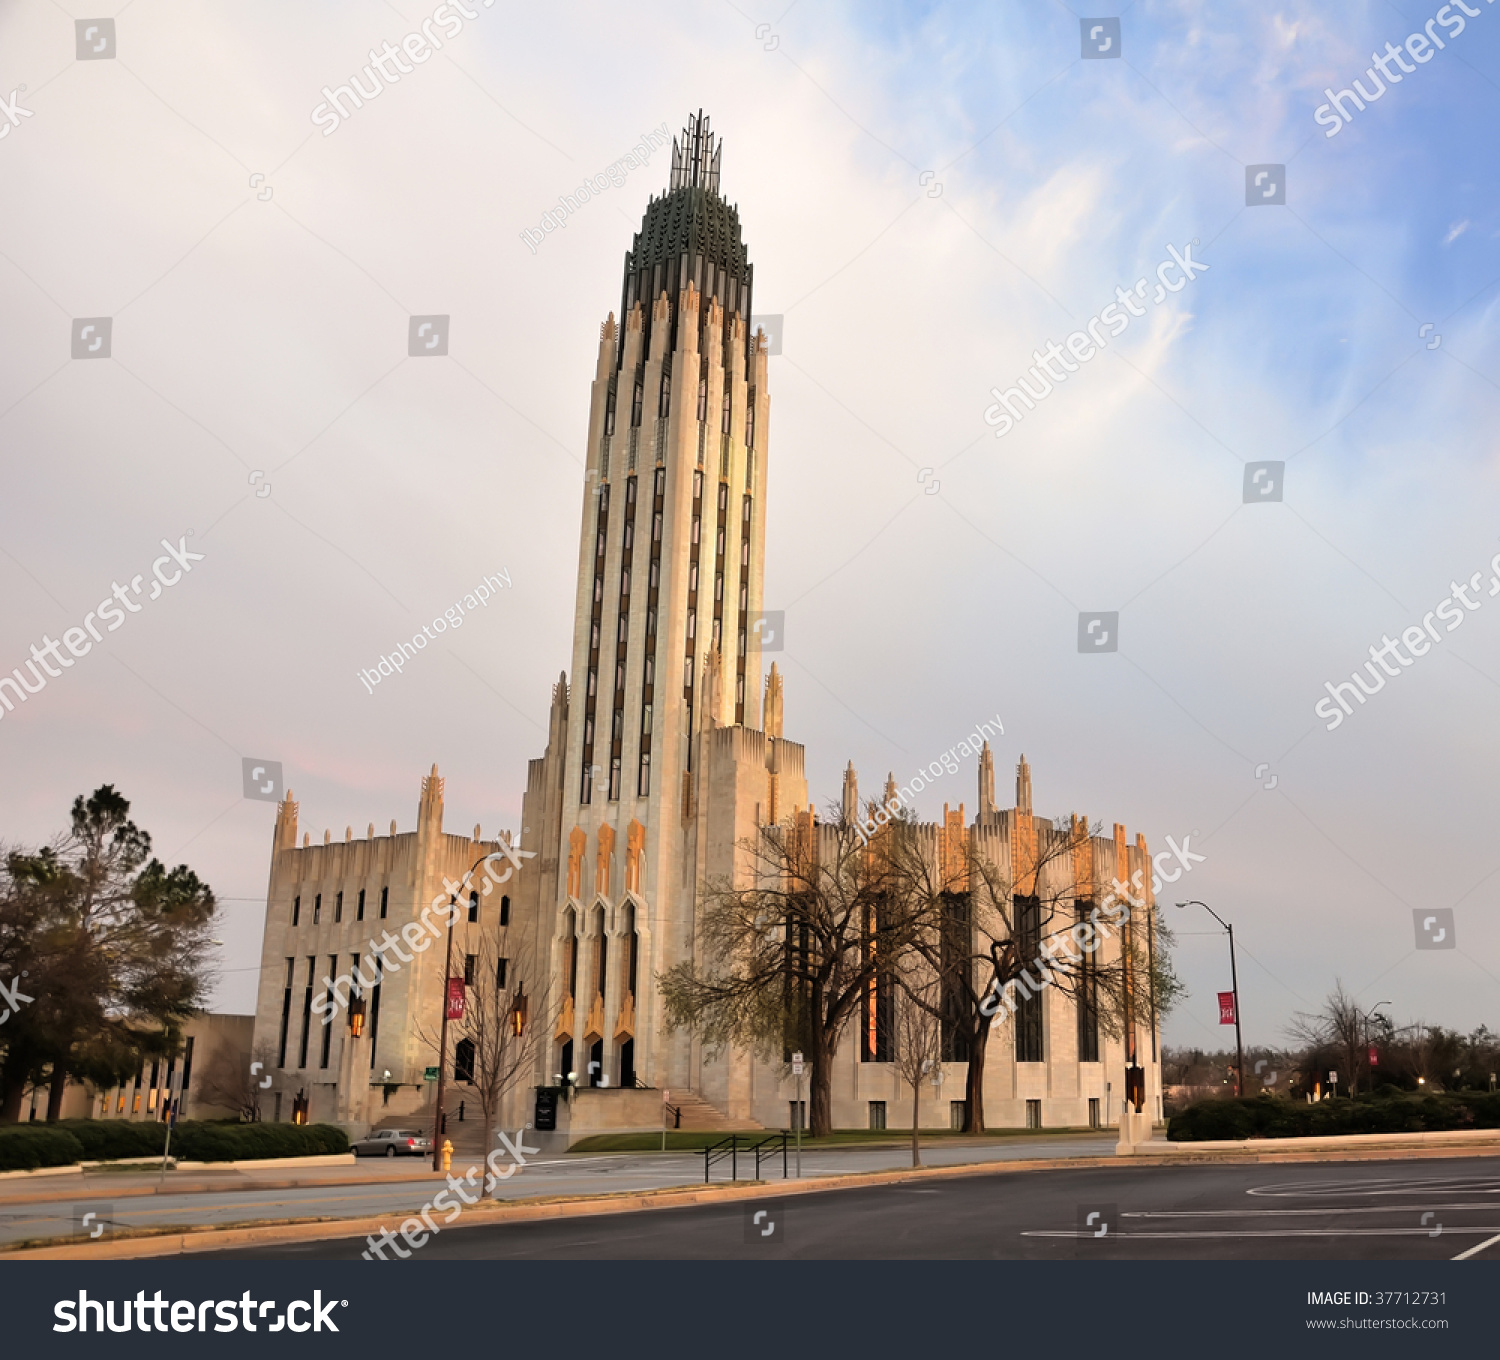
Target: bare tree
<point>231,1083</point>
<point>501,1025</point>
<point>995,942</point>
<point>1341,1026</point>
<point>917,1037</point>
<point>787,959</point>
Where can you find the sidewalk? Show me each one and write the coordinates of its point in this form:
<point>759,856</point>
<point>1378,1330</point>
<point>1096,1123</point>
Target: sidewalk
<point>376,1171</point>
<point>134,1183</point>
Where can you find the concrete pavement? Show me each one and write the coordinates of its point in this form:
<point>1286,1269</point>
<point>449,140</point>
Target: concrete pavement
<point>399,1188</point>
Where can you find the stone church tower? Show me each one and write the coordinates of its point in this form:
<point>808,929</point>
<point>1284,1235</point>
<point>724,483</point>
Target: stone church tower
<point>658,759</point>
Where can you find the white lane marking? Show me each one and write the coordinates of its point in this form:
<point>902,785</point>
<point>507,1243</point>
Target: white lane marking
<point>1293,1213</point>
<point>1485,1185</point>
<point>1474,1251</point>
<point>1291,1232</point>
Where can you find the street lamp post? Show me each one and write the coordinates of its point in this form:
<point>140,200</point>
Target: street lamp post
<point>1234,982</point>
<point>437,1114</point>
<point>1370,1015</point>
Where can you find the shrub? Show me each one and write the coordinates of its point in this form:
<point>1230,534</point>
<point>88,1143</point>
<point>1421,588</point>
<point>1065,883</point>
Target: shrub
<point>24,1147</point>
<point>201,1141</point>
<point>108,1139</point>
<point>1387,1111</point>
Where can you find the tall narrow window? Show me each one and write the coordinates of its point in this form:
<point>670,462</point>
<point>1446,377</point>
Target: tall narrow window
<point>470,960</point>
<point>286,1012</point>
<point>384,900</point>
<point>375,992</point>
<point>333,968</point>
<point>473,906</point>
<point>317,908</point>
<point>359,906</point>
<point>505,911</point>
<point>1028,1019</point>
<point>957,944</point>
<point>296,910</point>
<point>1088,997</point>
<point>501,967</point>
<point>307,998</point>
<point>338,908</point>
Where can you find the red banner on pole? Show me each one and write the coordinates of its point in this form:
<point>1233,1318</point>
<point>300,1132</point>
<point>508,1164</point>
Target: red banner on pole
<point>455,998</point>
<point>1226,1008</point>
<point>1374,1057</point>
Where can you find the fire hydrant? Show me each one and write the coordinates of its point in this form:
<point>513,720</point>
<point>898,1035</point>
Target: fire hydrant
<point>447,1154</point>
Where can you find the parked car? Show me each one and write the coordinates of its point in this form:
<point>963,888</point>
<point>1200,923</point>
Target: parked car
<point>394,1143</point>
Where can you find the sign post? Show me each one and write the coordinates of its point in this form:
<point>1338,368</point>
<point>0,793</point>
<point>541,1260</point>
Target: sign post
<point>797,1108</point>
<point>174,1089</point>
<point>665,1097</point>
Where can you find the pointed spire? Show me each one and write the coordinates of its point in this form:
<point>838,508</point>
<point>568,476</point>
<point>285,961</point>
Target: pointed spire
<point>1023,786</point>
<point>892,798</point>
<point>695,159</point>
<point>850,805</point>
<point>770,722</point>
<point>986,783</point>
<point>713,689</point>
<point>285,835</point>
<point>430,809</point>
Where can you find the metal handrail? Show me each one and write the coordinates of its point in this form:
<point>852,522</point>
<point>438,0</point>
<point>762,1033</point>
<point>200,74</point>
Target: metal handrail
<point>730,1147</point>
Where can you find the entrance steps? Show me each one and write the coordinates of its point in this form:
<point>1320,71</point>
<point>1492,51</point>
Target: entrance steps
<point>699,1115</point>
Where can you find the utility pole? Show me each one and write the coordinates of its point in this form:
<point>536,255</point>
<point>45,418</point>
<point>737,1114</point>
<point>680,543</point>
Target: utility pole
<point>437,1114</point>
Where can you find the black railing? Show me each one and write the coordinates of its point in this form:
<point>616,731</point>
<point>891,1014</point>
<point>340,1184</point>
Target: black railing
<point>735,1144</point>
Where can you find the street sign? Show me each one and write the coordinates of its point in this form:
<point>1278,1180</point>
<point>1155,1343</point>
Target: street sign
<point>431,1074</point>
<point>796,1064</point>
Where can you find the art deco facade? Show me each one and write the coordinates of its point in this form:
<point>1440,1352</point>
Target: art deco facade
<point>666,751</point>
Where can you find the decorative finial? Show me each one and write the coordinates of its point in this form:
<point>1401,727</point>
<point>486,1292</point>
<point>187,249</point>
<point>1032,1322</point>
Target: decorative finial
<point>695,158</point>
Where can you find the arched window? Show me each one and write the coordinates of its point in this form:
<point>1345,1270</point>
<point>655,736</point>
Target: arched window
<point>463,1061</point>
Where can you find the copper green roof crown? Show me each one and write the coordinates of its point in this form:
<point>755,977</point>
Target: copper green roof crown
<point>688,234</point>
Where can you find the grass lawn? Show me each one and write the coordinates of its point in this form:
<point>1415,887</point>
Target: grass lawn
<point>683,1141</point>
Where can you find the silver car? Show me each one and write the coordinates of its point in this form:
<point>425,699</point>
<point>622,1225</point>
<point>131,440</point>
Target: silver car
<point>394,1143</point>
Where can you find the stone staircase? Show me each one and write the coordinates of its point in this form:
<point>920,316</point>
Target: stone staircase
<point>699,1116</point>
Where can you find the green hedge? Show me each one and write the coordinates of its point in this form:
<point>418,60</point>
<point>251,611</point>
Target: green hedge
<point>1387,1111</point>
<point>108,1139</point>
<point>24,1147</point>
<point>197,1141</point>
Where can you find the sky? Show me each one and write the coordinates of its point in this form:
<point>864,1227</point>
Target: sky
<point>930,193</point>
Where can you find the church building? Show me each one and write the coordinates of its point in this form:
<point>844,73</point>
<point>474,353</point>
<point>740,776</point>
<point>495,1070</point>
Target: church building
<point>665,752</point>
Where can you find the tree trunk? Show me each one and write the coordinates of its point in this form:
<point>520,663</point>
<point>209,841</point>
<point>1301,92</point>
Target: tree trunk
<point>56,1090</point>
<point>12,1092</point>
<point>916,1107</point>
<point>820,1098</point>
<point>974,1082</point>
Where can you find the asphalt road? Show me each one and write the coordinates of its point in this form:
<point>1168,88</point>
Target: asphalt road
<point>1370,1211</point>
<point>409,1188</point>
